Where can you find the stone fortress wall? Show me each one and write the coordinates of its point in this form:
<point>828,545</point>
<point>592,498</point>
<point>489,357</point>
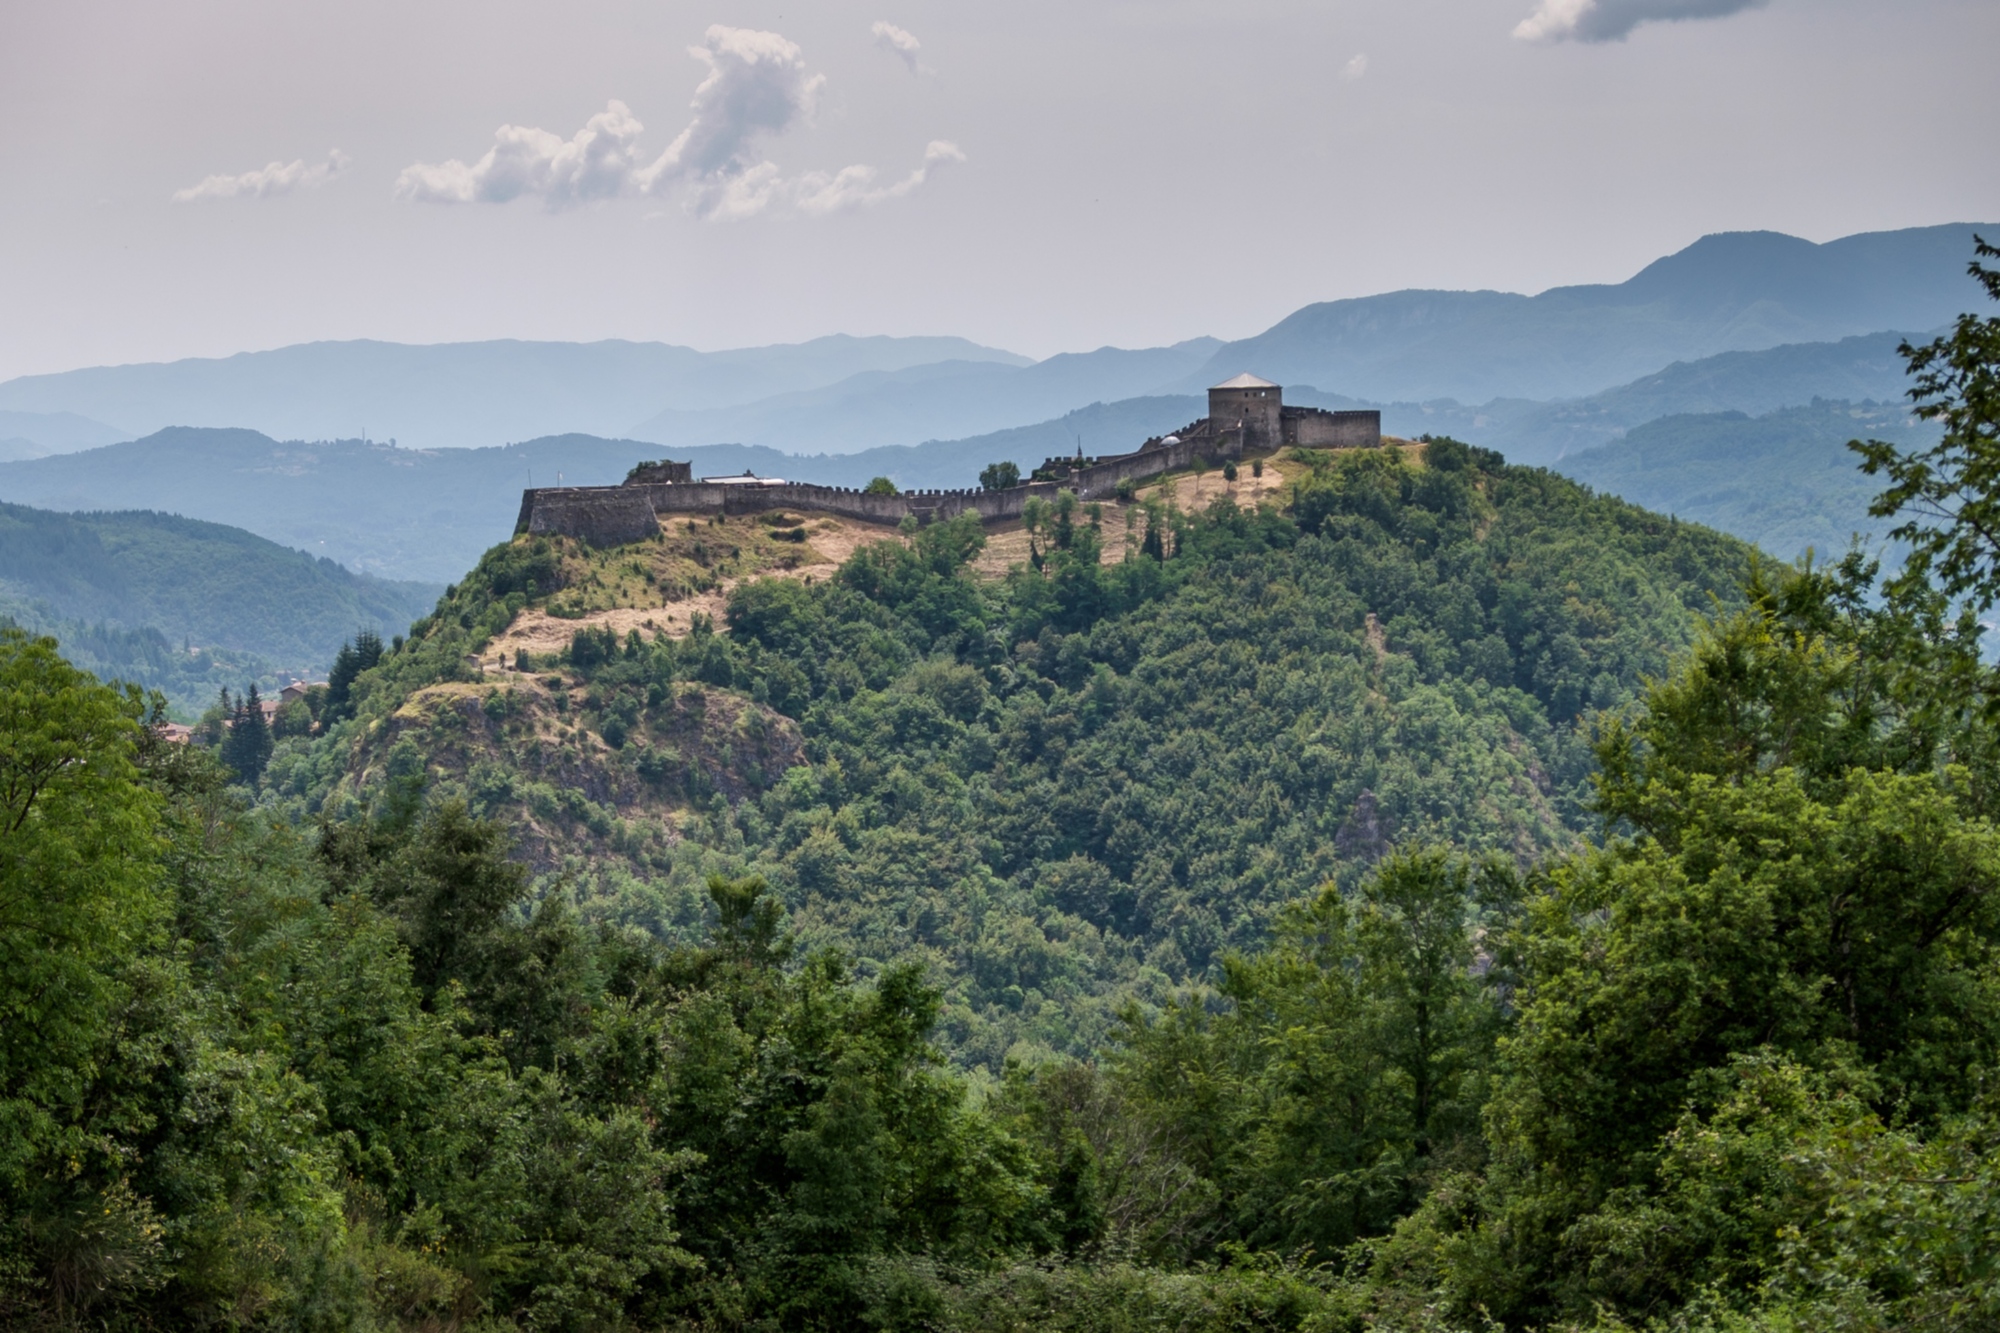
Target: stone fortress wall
<point>1244,414</point>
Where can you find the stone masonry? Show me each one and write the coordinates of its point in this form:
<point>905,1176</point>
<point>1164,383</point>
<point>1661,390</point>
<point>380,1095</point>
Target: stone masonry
<point>1246,414</point>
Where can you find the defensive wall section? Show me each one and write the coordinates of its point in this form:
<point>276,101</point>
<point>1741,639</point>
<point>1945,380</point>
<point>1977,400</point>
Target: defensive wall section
<point>616,515</point>
<point>1317,428</point>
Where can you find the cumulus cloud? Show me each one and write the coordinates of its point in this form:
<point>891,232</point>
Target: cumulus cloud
<point>898,42</point>
<point>1355,68</point>
<point>757,87</point>
<point>1613,20</point>
<point>273,179</point>
<point>596,163</point>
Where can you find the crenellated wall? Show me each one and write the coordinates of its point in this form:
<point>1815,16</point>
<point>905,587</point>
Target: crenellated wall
<point>616,515</point>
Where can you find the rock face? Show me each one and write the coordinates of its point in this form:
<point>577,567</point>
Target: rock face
<point>1365,834</point>
<point>515,750</point>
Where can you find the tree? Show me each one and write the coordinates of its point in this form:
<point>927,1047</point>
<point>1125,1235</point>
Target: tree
<point>881,486</point>
<point>1000,476</point>
<point>1950,493</point>
<point>1810,884</point>
<point>294,718</point>
<point>79,886</point>
<point>247,747</point>
<point>352,659</point>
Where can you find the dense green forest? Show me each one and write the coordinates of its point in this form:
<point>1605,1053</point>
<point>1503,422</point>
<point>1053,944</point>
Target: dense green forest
<point>135,592</point>
<point>1695,1034</point>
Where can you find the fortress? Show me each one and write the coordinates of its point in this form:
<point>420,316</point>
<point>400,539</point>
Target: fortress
<point>1245,414</point>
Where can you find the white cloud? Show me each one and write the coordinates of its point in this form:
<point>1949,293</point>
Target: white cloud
<point>757,87</point>
<point>1613,20</point>
<point>817,194</point>
<point>274,179</point>
<point>595,164</point>
<point>898,42</point>
<point>1355,68</point>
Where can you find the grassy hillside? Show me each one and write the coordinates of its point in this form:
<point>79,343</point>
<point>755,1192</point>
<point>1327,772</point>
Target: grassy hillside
<point>1059,784</point>
<point>131,593</point>
<point>1785,480</point>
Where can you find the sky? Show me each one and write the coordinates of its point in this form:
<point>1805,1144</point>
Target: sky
<point>203,177</point>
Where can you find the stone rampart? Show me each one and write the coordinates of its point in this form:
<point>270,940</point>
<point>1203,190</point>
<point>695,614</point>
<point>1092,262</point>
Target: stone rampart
<point>1317,428</point>
<point>615,515</point>
<point>600,515</point>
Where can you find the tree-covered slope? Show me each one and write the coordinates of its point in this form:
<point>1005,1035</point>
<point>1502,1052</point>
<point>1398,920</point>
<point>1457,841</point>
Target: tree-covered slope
<point>1075,783</point>
<point>176,583</point>
<point>1785,480</point>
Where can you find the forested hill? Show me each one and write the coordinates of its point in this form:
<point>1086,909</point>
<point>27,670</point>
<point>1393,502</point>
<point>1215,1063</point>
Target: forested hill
<point>1060,787</point>
<point>133,592</point>
<point>1785,480</point>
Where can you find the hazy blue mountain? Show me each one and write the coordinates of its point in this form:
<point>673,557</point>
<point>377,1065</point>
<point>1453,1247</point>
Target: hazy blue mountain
<point>1784,480</point>
<point>1738,291</point>
<point>1101,428</point>
<point>428,514</point>
<point>460,394</point>
<point>398,513</point>
<point>1855,369</point>
<point>38,434</point>
<point>945,400</point>
<point>141,589</point>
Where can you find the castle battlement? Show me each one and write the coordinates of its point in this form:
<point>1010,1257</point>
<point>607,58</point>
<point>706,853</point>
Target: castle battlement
<point>1244,414</point>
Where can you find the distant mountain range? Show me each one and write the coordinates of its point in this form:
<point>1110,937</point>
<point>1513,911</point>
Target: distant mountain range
<point>454,395</point>
<point>1739,291</point>
<point>1424,351</point>
<point>1784,480</point>
<point>427,514</point>
<point>1859,369</point>
<point>932,402</point>
<point>38,434</point>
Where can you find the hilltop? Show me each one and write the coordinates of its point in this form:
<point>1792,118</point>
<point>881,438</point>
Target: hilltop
<point>1061,762</point>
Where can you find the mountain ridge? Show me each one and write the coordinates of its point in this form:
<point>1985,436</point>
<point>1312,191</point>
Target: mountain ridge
<point>1726,292</point>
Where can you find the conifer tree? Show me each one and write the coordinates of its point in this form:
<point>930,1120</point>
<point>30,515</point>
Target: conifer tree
<point>247,748</point>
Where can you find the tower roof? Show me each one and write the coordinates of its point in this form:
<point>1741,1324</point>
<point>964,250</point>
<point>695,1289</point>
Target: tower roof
<point>1246,381</point>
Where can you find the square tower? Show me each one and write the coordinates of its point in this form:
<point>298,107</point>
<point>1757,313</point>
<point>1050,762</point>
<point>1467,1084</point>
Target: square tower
<point>1256,405</point>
